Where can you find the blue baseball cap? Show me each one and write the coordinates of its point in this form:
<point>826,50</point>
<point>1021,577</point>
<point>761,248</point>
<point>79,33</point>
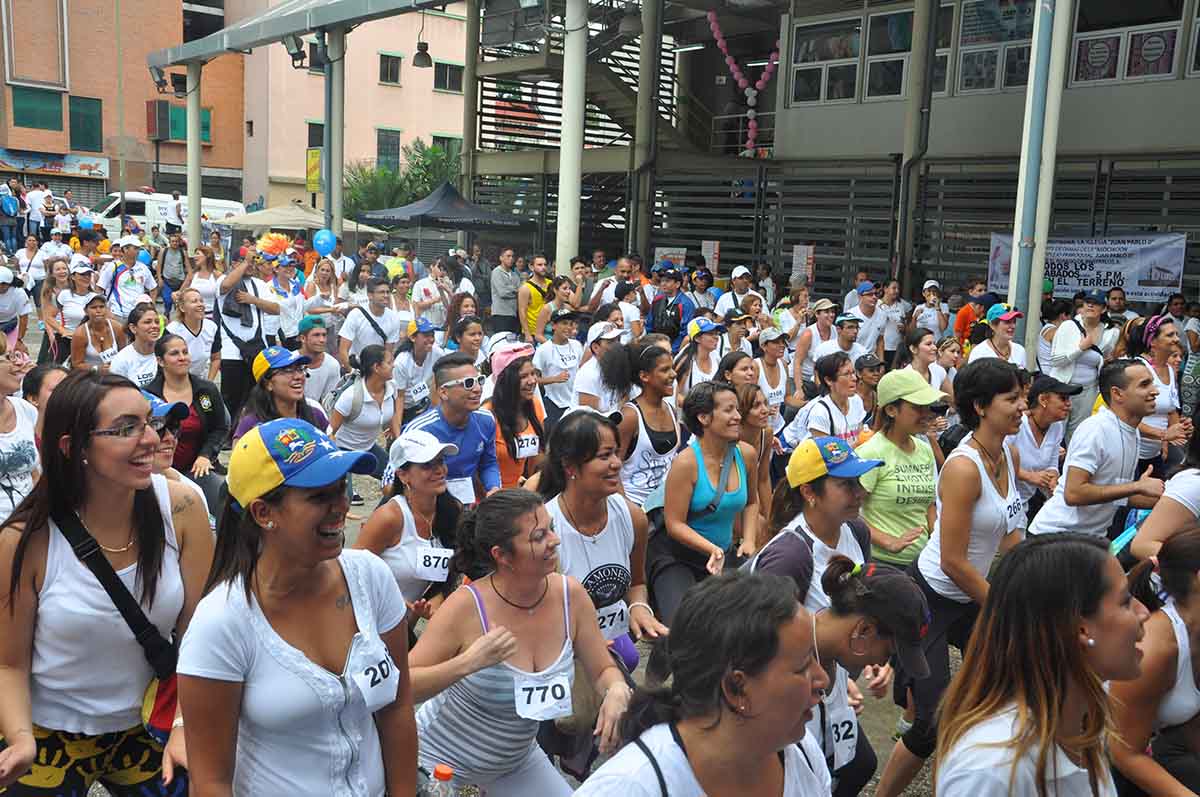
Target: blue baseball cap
<point>826,456</point>
<point>311,321</point>
<point>291,452</point>
<point>421,325</point>
<point>864,287</point>
<point>166,409</point>
<point>698,326</point>
<point>273,358</point>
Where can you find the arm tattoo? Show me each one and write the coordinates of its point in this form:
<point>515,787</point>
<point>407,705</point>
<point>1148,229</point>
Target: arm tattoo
<point>342,602</point>
<point>183,503</point>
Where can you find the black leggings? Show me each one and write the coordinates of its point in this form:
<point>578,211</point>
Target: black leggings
<point>236,382</point>
<point>851,779</point>
<point>950,624</point>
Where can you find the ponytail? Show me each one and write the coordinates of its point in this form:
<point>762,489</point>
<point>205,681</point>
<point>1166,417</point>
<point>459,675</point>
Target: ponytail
<point>1177,562</point>
<point>492,523</point>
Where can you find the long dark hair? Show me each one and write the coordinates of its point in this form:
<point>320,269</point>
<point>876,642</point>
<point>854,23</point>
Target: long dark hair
<point>352,283</point>
<point>724,624</point>
<point>239,544</point>
<point>261,404</point>
<point>623,364</point>
<point>575,440</point>
<point>71,412</point>
<point>507,405</point>
<point>135,315</point>
<point>447,511</point>
<point>912,339</point>
<point>1178,561</point>
<point>493,522</point>
<point>728,363</point>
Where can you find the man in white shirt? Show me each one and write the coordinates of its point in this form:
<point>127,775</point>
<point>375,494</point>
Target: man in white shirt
<point>851,300</point>
<point>35,198</point>
<point>55,246</point>
<point>589,387</point>
<point>1100,469</point>
<point>431,296</point>
<point>375,323</point>
<point>343,264</point>
<point>871,319</point>
<point>323,369</point>
<point>739,281</point>
<point>845,341</point>
<point>123,281</point>
<point>605,291</point>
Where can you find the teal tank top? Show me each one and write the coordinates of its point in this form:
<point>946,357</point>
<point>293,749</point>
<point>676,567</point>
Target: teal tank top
<point>717,528</point>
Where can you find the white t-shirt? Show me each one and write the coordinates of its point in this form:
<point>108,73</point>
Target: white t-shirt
<point>1016,354</point>
<point>869,329</point>
<point>1165,403</point>
<point>71,306</point>
<point>1033,456</point>
<point>362,432</point>
<point>32,267</point>
<point>830,346</point>
<point>827,419</point>
<point>426,290</point>
<point>131,284</point>
<point>412,378</point>
<point>35,199</point>
<point>18,456</point>
<point>359,331</point>
<point>1184,488</point>
<point>893,316</point>
<point>133,365</point>
<point>587,380</point>
<point>200,346</point>
<point>980,764</point>
<point>732,299</point>
<point>295,716</point>
<point>207,288</point>
<point>322,378</point>
<point>14,303</point>
<point>629,314</point>
<point>552,359</point>
<point>233,327</point>
<point>342,266</point>
<point>1106,447</point>
<point>851,300</point>
<point>630,773</point>
<point>927,317</point>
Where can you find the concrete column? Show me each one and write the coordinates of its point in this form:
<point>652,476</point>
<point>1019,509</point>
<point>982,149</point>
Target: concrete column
<point>470,124</point>
<point>335,47</point>
<point>194,189</point>
<point>915,117</point>
<point>570,159</point>
<point>646,125</point>
<point>1060,54</point>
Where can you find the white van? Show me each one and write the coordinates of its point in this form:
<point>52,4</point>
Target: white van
<point>151,210</point>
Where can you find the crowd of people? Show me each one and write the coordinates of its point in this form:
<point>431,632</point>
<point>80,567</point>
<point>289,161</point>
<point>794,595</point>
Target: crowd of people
<point>792,506</point>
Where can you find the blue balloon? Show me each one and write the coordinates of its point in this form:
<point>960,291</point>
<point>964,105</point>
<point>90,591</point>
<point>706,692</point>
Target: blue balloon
<point>324,241</point>
<point>86,223</point>
<point>144,258</point>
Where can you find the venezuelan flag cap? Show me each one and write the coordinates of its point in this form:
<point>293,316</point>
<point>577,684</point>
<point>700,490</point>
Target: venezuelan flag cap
<point>291,452</point>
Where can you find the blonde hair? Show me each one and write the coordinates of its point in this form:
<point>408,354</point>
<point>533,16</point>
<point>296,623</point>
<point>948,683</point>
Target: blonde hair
<point>177,313</point>
<point>49,289</point>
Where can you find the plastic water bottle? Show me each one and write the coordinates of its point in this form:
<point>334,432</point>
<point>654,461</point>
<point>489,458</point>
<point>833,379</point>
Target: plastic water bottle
<point>441,785</point>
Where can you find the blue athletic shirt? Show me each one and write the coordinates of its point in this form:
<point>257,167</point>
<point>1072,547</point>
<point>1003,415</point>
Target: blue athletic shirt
<point>476,443</point>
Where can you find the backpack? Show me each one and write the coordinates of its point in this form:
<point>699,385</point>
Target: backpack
<point>666,317</point>
<point>351,381</point>
<point>10,205</point>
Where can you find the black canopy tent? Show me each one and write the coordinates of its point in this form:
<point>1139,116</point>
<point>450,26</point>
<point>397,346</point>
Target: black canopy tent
<point>446,208</point>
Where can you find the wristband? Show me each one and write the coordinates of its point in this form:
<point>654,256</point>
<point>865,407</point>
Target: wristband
<point>644,605</point>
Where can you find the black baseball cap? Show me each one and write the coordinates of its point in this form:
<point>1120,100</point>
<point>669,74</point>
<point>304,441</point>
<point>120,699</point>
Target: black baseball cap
<point>565,314</point>
<point>866,361</point>
<point>1048,384</point>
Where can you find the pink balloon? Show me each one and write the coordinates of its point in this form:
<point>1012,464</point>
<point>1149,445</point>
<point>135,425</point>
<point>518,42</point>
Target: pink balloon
<point>712,17</point>
<point>760,84</point>
<point>752,126</point>
<point>743,84</point>
<point>776,41</point>
<point>722,44</point>
<point>729,61</point>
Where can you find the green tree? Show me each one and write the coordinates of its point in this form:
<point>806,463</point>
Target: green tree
<point>423,168</point>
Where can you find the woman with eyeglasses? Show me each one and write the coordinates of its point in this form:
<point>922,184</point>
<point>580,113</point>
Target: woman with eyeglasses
<point>77,722</point>
<point>293,676</point>
<point>97,340</point>
<point>278,392</point>
<point>520,419</point>
<point>136,362</point>
<point>203,430</point>
<point>367,408</point>
<point>171,416</point>
<point>839,410</point>
<point>413,531</point>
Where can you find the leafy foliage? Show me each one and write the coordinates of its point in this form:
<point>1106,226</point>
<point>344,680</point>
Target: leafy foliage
<point>423,168</point>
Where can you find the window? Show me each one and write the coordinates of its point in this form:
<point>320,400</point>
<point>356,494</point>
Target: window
<point>451,145</point>
<point>945,34</point>
<point>1195,69</point>
<point>387,149</point>
<point>87,124</point>
<point>889,42</point>
<point>448,77</point>
<point>316,63</point>
<point>994,45</point>
<point>825,61</point>
<point>1116,40</point>
<point>178,124</point>
<point>389,69</point>
<point>38,108</point>
<point>316,134</point>
<point>249,128</point>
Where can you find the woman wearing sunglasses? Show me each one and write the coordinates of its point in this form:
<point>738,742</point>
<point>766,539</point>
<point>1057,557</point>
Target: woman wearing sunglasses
<point>71,672</point>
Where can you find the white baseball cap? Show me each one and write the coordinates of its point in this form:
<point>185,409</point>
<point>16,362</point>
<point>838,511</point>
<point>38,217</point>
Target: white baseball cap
<point>604,331</point>
<point>931,284</point>
<point>769,334</point>
<point>82,268</point>
<point>740,271</point>
<point>128,240</point>
<point>417,446</point>
<point>6,275</point>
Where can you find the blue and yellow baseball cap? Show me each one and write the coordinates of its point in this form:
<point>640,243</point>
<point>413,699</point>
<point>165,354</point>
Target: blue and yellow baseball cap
<point>826,456</point>
<point>291,452</point>
<point>273,358</point>
<point>166,409</point>
<point>699,326</point>
<point>421,325</point>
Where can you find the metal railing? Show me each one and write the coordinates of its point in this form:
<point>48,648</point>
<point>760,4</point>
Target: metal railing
<point>727,134</point>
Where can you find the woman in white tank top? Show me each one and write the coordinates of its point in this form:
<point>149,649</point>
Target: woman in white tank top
<point>697,360</point>
<point>812,337</point>
<point>203,276</point>
<point>979,512</point>
<point>413,532</point>
<point>772,375</point>
<point>1152,752</point>
<point>649,427</point>
<point>63,622</point>
<point>96,341</point>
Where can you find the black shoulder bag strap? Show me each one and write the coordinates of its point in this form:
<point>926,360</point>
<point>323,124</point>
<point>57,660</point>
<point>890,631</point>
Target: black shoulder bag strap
<point>1083,333</point>
<point>722,483</point>
<point>159,652</point>
<point>374,324</point>
<point>658,773</point>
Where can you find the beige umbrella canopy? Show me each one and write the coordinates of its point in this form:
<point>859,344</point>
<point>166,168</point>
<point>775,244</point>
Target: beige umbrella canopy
<point>294,216</point>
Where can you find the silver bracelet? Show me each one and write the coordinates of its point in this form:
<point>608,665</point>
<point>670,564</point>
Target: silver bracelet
<point>645,606</point>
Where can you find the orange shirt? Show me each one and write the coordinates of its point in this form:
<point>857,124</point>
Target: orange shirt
<point>528,444</point>
<point>963,321</point>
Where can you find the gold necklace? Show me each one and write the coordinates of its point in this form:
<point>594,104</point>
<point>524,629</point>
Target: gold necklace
<point>105,548</point>
<point>428,520</point>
